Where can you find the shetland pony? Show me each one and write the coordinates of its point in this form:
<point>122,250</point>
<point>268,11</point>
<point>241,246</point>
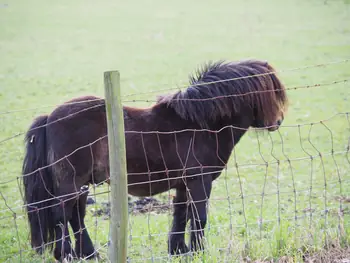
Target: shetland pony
<point>183,142</point>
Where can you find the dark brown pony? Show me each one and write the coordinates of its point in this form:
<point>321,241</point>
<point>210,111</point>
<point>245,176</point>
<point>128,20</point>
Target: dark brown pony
<point>183,142</point>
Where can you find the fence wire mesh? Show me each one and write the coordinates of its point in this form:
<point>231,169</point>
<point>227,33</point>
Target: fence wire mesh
<point>280,193</point>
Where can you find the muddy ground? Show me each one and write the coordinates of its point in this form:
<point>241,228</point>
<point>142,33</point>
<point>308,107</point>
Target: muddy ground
<point>136,206</point>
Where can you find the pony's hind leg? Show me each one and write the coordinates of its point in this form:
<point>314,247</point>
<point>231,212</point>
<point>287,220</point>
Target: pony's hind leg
<point>83,244</point>
<point>177,243</point>
<point>62,214</point>
<point>67,198</point>
<point>199,193</point>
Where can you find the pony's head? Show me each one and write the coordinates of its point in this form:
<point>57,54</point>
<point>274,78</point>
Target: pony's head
<point>244,94</point>
<point>270,99</point>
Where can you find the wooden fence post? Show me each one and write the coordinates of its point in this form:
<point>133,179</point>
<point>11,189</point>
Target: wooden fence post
<point>117,163</point>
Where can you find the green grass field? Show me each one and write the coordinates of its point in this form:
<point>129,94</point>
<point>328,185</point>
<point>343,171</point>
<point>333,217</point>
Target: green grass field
<point>51,51</point>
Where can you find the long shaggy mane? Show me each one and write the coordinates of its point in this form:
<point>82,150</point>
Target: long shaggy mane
<point>224,89</point>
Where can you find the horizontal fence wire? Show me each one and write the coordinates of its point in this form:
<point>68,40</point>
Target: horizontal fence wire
<point>183,131</point>
<point>199,84</point>
<point>77,194</point>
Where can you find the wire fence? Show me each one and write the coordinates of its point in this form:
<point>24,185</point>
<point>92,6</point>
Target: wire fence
<point>280,194</point>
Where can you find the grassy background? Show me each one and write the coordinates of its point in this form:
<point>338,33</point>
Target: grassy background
<point>53,51</point>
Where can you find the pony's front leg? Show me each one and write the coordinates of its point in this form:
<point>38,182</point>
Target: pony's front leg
<point>199,192</point>
<point>176,243</point>
<point>62,214</point>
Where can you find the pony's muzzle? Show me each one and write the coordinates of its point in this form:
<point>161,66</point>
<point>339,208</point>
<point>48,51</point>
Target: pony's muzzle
<point>273,128</point>
<point>276,126</point>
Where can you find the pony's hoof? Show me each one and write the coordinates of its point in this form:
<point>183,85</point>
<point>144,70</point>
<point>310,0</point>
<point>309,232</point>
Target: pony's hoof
<point>67,256</point>
<point>178,249</point>
<point>197,247</point>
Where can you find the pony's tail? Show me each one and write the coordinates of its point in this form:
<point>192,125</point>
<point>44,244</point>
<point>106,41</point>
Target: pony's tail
<point>38,186</point>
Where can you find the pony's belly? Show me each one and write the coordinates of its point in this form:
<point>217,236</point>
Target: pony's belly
<point>143,185</point>
<point>148,189</point>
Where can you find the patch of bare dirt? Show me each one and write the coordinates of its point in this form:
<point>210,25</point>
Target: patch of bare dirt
<point>138,206</point>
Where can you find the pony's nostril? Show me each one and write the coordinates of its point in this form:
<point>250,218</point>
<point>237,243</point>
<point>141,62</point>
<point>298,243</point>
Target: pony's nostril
<point>279,122</point>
